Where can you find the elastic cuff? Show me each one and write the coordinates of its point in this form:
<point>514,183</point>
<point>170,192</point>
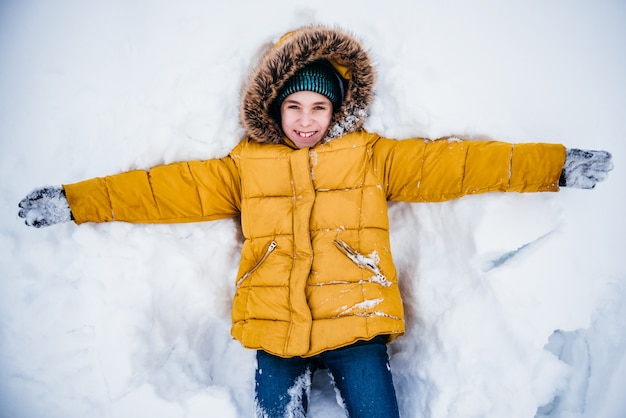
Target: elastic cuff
<point>562,180</point>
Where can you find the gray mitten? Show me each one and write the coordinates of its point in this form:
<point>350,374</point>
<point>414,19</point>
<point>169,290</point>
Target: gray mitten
<point>583,168</point>
<point>45,206</point>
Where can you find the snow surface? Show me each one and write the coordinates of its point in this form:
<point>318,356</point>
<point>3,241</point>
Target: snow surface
<point>514,302</point>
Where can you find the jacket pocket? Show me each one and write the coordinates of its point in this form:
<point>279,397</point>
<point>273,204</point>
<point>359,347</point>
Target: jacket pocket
<point>369,262</point>
<point>270,248</point>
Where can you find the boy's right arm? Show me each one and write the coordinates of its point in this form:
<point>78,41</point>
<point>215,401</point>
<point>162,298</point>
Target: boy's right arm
<point>180,192</point>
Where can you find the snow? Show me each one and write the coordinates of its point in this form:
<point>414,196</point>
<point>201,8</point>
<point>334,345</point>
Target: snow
<point>301,386</point>
<point>368,262</point>
<point>514,302</point>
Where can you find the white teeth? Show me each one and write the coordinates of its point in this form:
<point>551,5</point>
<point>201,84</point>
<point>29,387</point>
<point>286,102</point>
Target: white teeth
<point>306,134</point>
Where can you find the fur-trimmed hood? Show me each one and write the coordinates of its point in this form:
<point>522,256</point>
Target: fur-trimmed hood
<point>293,51</point>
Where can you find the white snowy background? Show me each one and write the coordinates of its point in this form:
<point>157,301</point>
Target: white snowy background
<point>515,303</point>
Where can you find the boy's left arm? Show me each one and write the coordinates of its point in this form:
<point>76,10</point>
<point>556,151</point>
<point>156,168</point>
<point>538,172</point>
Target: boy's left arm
<point>430,171</point>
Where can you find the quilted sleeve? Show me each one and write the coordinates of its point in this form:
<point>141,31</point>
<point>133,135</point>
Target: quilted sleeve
<point>422,170</point>
<point>180,192</point>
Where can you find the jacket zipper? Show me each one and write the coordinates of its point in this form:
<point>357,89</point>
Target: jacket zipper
<point>363,262</point>
<point>269,250</point>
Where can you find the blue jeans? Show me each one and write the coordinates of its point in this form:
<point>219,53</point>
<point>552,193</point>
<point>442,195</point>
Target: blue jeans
<point>360,372</point>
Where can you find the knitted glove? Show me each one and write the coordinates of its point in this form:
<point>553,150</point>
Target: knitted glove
<point>583,168</point>
<point>45,206</point>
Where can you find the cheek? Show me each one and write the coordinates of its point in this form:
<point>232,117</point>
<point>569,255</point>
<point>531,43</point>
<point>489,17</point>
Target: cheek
<point>327,119</point>
<point>284,123</point>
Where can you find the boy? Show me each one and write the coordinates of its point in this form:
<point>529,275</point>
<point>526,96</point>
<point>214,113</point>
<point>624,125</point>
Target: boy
<point>316,286</point>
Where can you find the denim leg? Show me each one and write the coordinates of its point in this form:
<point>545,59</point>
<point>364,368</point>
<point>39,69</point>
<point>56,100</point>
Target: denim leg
<point>362,375</point>
<point>282,386</point>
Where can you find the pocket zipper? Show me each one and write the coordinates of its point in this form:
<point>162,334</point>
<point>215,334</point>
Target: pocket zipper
<point>269,250</point>
<point>363,262</point>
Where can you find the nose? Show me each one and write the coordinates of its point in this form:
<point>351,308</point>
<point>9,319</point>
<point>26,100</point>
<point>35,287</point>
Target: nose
<point>306,119</point>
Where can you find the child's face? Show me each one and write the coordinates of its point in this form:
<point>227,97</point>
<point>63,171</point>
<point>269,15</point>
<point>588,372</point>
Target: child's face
<point>305,117</point>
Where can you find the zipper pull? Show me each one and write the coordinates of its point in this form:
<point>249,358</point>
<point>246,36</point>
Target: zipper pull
<point>269,250</point>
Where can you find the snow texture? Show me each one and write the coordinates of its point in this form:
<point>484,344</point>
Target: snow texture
<point>514,303</point>
<point>302,387</point>
<point>368,262</point>
<point>45,206</point>
<point>584,168</point>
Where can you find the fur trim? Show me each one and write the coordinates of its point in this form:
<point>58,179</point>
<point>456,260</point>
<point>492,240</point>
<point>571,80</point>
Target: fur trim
<point>293,51</point>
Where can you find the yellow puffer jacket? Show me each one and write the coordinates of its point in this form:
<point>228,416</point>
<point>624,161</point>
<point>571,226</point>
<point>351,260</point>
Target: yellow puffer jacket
<point>316,270</point>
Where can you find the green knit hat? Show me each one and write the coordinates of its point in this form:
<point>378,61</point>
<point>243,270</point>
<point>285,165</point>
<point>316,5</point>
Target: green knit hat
<point>319,77</point>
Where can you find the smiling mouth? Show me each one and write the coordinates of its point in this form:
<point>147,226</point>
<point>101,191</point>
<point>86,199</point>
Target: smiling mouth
<point>306,134</point>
